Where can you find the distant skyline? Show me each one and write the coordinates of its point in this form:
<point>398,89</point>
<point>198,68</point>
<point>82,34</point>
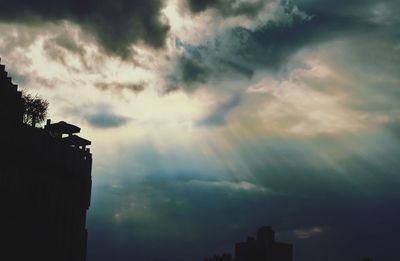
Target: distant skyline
<point>211,118</point>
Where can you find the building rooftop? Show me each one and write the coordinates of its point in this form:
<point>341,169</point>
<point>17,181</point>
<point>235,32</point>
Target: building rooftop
<point>76,141</point>
<point>62,128</point>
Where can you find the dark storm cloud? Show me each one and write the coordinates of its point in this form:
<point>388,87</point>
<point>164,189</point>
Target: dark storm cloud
<point>116,86</point>
<point>193,71</point>
<point>106,119</point>
<point>200,64</point>
<point>242,70</point>
<point>362,9</point>
<point>227,7</point>
<point>67,42</point>
<point>62,45</point>
<point>101,116</point>
<point>251,9</point>
<point>240,53</point>
<point>115,24</point>
<point>57,53</point>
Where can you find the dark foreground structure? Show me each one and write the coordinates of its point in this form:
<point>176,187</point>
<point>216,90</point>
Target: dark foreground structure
<point>45,185</point>
<point>263,248</point>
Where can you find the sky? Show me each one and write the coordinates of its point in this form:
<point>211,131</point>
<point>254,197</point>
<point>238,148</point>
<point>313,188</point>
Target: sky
<point>212,118</point>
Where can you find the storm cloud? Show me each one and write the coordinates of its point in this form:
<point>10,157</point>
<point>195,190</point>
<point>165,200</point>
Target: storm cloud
<point>115,24</point>
<point>105,119</point>
<point>228,7</point>
<point>240,52</point>
<point>134,87</point>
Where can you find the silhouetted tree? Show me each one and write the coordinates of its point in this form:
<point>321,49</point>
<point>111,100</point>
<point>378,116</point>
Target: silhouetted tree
<point>35,109</point>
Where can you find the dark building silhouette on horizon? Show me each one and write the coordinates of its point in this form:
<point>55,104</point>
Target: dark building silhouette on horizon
<point>45,185</point>
<point>263,248</point>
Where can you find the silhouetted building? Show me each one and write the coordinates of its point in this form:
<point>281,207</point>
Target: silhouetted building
<point>263,248</point>
<point>11,104</point>
<point>45,185</point>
